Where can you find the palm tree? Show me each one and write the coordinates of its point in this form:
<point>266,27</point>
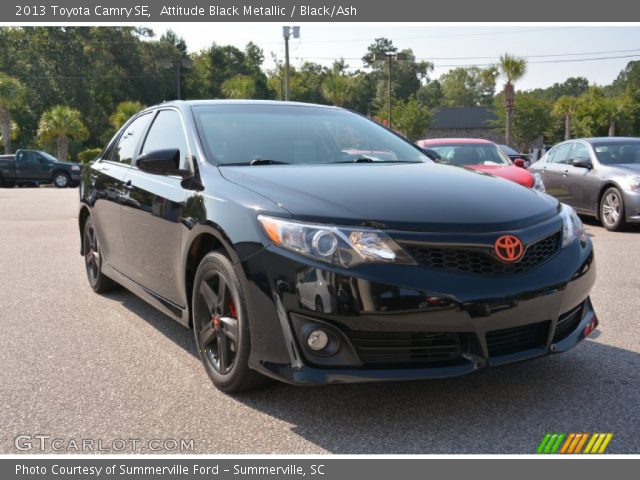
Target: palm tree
<point>240,86</point>
<point>566,107</point>
<point>60,123</point>
<point>124,111</point>
<point>511,69</point>
<point>11,91</point>
<point>615,110</point>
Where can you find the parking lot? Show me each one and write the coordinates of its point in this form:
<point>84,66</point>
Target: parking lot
<point>79,365</point>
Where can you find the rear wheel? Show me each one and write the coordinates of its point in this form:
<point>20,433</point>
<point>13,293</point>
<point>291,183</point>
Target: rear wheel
<point>98,281</point>
<point>612,210</point>
<point>220,325</point>
<point>61,180</point>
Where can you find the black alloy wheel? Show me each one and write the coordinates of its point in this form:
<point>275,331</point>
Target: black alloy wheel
<point>220,325</point>
<point>98,281</point>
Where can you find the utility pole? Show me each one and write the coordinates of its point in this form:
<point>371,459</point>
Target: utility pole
<point>178,64</point>
<point>287,32</point>
<point>390,57</point>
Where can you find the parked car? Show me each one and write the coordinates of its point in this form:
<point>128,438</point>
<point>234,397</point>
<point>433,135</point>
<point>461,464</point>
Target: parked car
<point>599,177</point>
<point>429,271</point>
<point>519,159</point>
<point>481,155</point>
<point>34,167</point>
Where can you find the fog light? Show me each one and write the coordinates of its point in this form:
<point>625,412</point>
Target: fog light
<point>317,340</point>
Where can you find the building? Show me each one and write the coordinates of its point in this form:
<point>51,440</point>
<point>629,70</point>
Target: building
<point>464,122</point>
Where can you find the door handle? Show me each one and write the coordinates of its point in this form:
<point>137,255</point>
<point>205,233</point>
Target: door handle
<point>128,185</point>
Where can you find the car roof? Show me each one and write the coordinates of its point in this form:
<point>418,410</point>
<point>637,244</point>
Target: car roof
<point>444,141</point>
<point>204,102</point>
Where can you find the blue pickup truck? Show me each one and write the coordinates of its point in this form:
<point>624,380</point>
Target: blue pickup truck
<point>34,167</point>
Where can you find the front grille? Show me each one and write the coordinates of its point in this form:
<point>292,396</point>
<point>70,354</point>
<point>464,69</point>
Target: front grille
<point>517,339</point>
<point>407,348</point>
<point>567,323</point>
<point>481,260</point>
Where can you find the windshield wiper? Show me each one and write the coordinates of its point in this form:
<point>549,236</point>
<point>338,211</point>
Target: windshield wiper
<point>255,161</point>
<point>266,161</point>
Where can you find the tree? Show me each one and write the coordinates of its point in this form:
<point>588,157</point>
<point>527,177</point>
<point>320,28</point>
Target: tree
<point>11,92</point>
<point>15,132</point>
<point>468,87</point>
<point>530,121</point>
<point>240,86</point>
<point>338,88</point>
<point>124,111</point>
<point>511,69</point>
<point>566,108</point>
<point>410,118</point>
<point>61,123</point>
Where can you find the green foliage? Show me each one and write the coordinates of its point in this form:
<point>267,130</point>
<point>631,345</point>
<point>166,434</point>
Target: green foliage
<point>468,87</point>
<point>85,156</point>
<point>410,118</point>
<point>240,86</point>
<point>59,123</point>
<point>124,111</point>
<point>511,68</point>
<point>531,119</point>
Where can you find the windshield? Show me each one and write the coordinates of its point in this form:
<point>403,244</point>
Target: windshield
<point>471,154</point>
<point>508,150</point>
<point>612,153</point>
<point>272,134</point>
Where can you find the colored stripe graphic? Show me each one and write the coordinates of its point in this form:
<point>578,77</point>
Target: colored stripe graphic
<point>573,443</point>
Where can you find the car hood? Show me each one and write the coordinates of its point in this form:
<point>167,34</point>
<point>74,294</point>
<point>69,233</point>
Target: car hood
<point>424,196</point>
<point>628,168</point>
<point>510,172</point>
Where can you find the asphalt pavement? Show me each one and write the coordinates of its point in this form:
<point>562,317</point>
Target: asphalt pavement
<point>79,366</point>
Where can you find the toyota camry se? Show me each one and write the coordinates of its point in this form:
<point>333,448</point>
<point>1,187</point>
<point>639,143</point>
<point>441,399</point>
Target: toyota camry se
<point>309,244</point>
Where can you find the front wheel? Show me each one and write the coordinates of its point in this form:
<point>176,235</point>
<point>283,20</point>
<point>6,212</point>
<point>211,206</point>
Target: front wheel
<point>61,180</point>
<point>221,326</point>
<point>612,210</point>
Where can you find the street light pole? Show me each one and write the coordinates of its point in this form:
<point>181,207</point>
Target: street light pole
<point>389,57</point>
<point>286,33</point>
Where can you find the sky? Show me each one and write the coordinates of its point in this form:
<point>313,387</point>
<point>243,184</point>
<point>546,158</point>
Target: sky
<point>547,47</point>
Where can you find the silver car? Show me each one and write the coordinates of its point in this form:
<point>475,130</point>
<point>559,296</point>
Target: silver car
<point>596,176</point>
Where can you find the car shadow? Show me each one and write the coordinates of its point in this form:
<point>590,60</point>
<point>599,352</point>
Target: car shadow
<point>592,388</point>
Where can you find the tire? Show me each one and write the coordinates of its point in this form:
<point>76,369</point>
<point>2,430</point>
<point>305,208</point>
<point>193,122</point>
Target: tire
<point>221,326</point>
<point>612,215</point>
<point>319,305</point>
<point>61,179</point>
<point>98,281</point>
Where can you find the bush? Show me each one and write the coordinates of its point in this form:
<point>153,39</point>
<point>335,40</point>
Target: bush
<point>89,154</point>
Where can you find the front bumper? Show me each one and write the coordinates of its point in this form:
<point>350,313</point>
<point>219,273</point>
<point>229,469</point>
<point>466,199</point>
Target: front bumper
<point>396,322</point>
<point>632,206</point>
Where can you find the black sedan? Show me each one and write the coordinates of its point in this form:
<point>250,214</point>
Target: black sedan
<point>309,244</point>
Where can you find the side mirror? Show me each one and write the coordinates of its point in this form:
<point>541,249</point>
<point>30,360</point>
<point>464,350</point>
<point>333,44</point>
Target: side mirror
<point>582,163</point>
<point>162,162</point>
<point>520,162</point>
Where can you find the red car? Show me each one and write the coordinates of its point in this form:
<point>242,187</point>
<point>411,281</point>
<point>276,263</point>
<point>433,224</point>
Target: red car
<point>482,155</point>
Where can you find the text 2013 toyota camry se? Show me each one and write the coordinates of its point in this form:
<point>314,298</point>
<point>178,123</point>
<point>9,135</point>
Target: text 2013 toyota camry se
<point>309,244</point>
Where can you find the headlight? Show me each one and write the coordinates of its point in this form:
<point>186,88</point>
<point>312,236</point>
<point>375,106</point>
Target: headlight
<point>343,246</point>
<point>634,182</point>
<point>572,227</point>
<point>75,168</point>
<point>537,183</point>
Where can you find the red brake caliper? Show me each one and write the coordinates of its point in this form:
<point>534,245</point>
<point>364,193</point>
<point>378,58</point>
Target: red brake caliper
<point>232,310</point>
